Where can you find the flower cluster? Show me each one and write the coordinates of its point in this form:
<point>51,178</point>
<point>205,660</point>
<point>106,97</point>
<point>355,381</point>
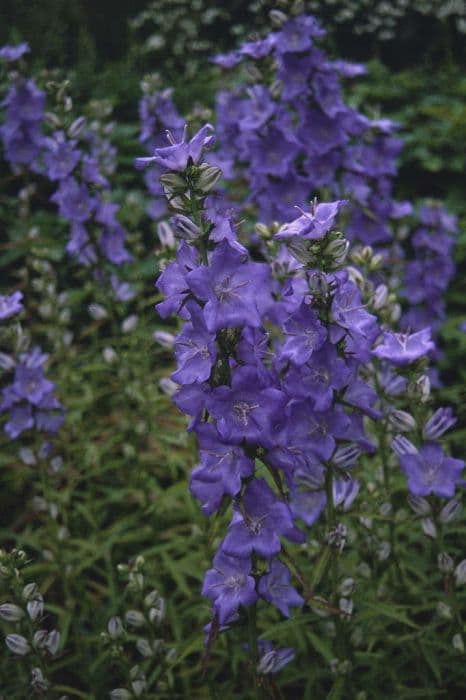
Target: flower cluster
<point>291,134</point>
<point>75,157</point>
<point>30,399</point>
<point>23,611</point>
<point>280,365</point>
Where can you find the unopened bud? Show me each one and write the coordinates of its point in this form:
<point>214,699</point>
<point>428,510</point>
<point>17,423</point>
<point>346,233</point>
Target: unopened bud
<point>444,611</point>
<point>129,324</point>
<point>166,235</point>
<point>277,17</point>
<point>135,618</point>
<point>428,527</point>
<point>380,297</point>
<point>401,420</point>
<point>17,644</point>
<point>11,612</point>
<point>208,177</point>
<point>120,694</point>
<point>144,648</point>
<point>185,228</point>
<point>423,387</point>
<point>97,312</point>
<point>457,642</point>
<point>173,183</point>
<point>450,511</point>
<point>438,424</point>
<point>115,627</point>
<point>445,563</point>
<point>166,340</point>
<point>460,573</point>
<point>76,127</point>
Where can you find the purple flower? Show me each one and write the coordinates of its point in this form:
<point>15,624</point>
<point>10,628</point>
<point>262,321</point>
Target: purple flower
<point>31,384</point>
<point>74,201</point>
<point>304,334</point>
<point>10,305</point>
<point>237,292</point>
<point>229,585</point>
<point>179,155</point>
<point>441,421</point>
<point>402,348</point>
<point>275,587</point>
<point>195,349</point>
<point>246,411</point>
<point>13,53</point>
<point>61,157</point>
<point>312,225</point>
<point>221,468</point>
<point>273,660</point>
<point>20,419</point>
<point>431,471</point>
<point>258,527</point>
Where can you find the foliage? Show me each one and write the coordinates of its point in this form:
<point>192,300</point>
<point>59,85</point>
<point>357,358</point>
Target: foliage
<point>102,547</point>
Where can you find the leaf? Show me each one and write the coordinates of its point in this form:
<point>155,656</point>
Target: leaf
<point>372,609</point>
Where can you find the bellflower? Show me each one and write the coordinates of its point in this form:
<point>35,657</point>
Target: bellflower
<point>402,349</point>
<point>430,471</point>
<point>10,305</point>
<point>229,585</point>
<point>275,587</point>
<point>237,292</point>
<point>179,155</point>
<point>259,527</point>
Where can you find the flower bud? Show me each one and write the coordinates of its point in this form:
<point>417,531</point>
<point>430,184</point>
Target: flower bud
<point>38,682</point>
<point>380,297</point>
<point>17,644</point>
<point>277,17</point>
<point>444,611</point>
<point>208,177</point>
<point>402,446</point>
<point>346,605</point>
<point>115,627</point>
<point>445,563</point>
<point>345,457</point>
<point>6,362</point>
<point>419,505</point>
<point>401,420</point>
<point>166,340</point>
<point>423,387</point>
<point>30,591</point>
<point>144,648</point>
<point>11,612</point>
<point>52,642</point>
<point>129,324</point>
<point>166,235</point>
<point>450,511</point>
<point>438,424</point>
<point>428,527</point>
<point>35,608</point>
<point>173,183</point>
<point>97,312</point>
<point>76,127</point>
<point>135,618</point>
<point>460,573</point>
<point>185,228</point>
<point>168,386</point>
<point>109,354</point>
<point>120,694</point>
<point>457,642</point>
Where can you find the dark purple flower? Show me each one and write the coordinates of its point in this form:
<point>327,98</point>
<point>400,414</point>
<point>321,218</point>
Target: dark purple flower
<point>179,155</point>
<point>229,585</point>
<point>247,410</point>
<point>74,200</point>
<point>441,421</point>
<point>257,528</point>
<point>10,305</point>
<point>195,349</point>
<point>312,225</point>
<point>112,245</point>
<point>31,384</point>
<point>13,53</point>
<point>60,157</point>
<point>273,660</point>
<point>237,292</point>
<point>304,334</point>
<point>430,471</point>
<point>275,587</point>
<point>402,348</point>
